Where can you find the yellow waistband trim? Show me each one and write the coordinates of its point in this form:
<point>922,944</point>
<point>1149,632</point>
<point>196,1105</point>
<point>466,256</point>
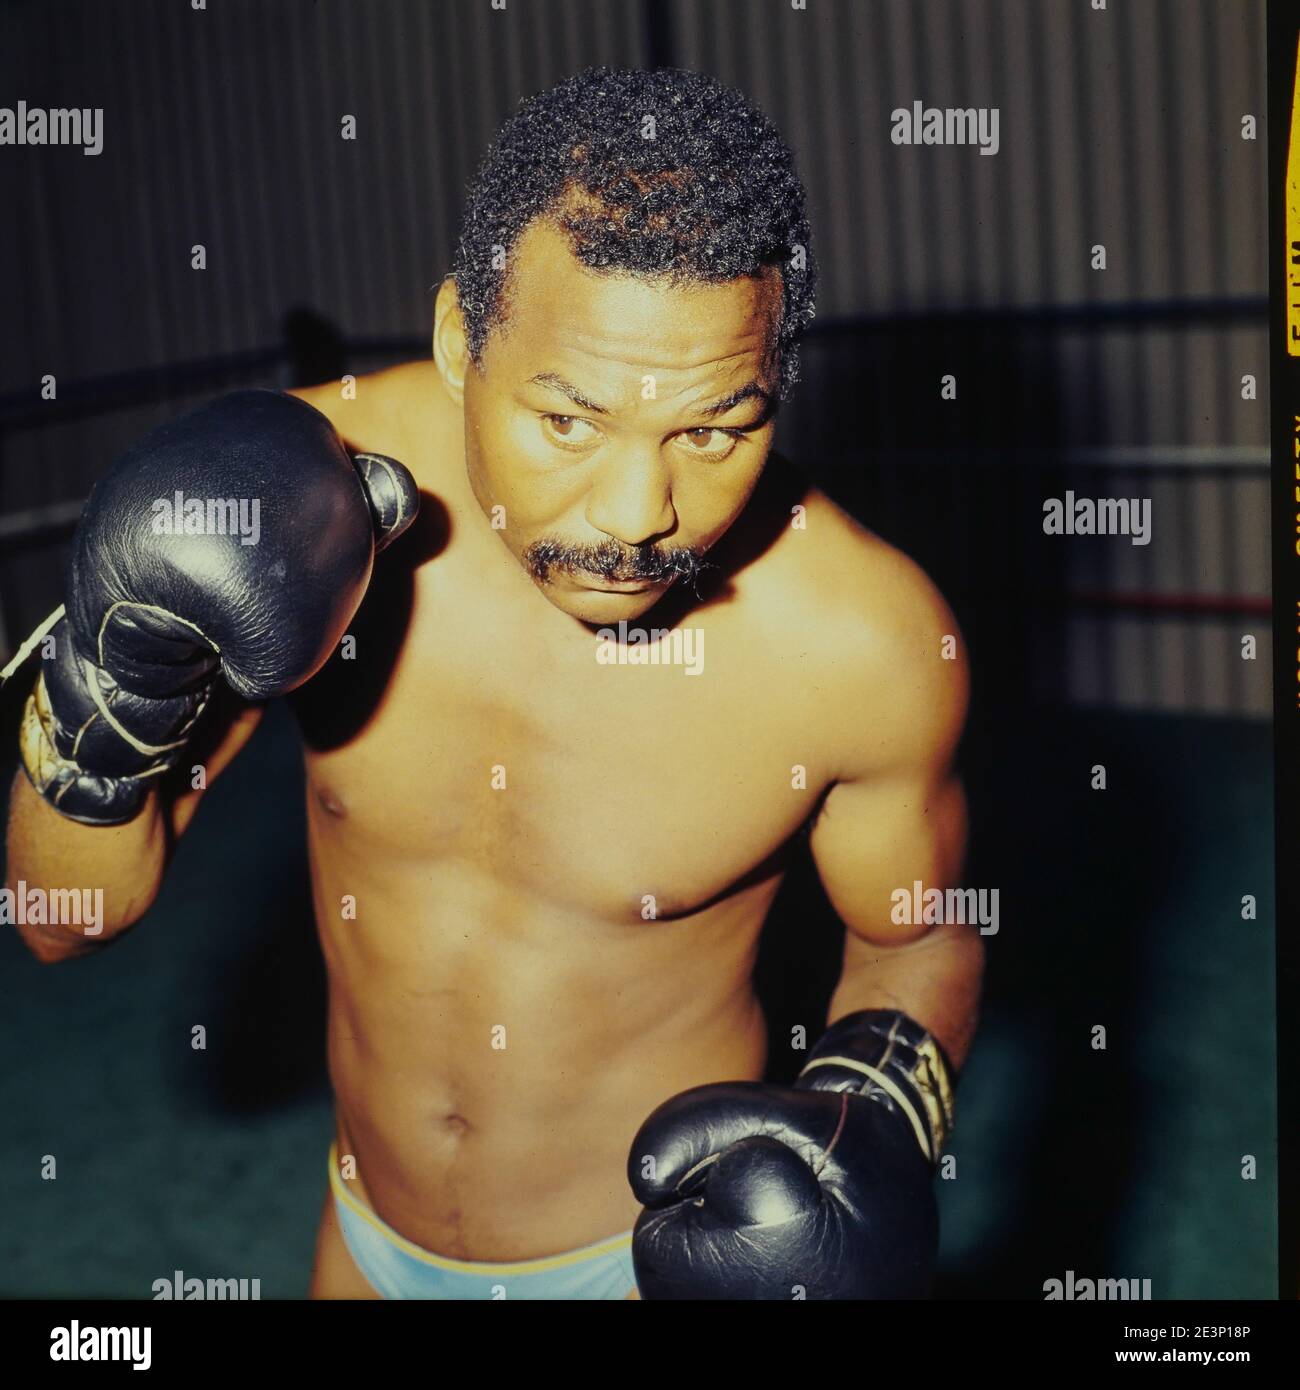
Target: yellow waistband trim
<point>568,1257</point>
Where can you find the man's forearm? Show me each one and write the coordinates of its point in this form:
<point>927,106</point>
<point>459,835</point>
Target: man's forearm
<point>934,980</point>
<point>120,866</point>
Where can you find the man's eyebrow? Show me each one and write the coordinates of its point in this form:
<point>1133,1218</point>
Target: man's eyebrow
<point>567,388</point>
<point>750,391</point>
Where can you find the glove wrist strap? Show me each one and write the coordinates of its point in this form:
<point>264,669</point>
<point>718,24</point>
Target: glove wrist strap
<point>76,792</point>
<point>885,1056</point>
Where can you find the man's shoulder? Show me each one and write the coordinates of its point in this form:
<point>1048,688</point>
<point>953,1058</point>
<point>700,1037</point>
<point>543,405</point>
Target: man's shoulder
<point>876,630</point>
<point>853,583</point>
<point>402,411</point>
<point>358,396</point>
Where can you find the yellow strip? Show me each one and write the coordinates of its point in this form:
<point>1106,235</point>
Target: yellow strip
<point>1293,221</point>
<point>571,1257</point>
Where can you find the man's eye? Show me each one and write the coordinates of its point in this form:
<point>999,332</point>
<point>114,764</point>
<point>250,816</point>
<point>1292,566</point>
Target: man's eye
<point>569,430</point>
<point>710,443</point>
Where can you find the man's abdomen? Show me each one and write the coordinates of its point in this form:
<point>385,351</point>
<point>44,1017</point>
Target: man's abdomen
<point>493,1058</point>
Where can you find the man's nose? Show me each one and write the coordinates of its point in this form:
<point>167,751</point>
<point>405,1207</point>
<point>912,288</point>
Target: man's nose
<point>631,497</point>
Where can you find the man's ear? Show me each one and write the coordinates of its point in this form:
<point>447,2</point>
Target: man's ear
<point>450,348</point>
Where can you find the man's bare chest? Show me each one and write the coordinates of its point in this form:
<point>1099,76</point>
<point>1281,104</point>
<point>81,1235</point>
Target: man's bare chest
<point>579,772</point>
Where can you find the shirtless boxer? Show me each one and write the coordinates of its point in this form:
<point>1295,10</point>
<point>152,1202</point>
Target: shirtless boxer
<point>540,878</point>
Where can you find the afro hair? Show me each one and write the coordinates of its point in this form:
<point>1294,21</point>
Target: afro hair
<point>655,173</point>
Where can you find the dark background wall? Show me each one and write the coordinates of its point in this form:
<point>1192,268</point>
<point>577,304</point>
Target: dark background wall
<point>1121,127</point>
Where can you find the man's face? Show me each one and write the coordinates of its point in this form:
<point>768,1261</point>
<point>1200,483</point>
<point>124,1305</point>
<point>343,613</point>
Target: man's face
<point>620,423</point>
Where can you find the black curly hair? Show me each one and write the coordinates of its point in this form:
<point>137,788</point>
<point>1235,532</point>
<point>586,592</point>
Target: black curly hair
<point>659,173</point>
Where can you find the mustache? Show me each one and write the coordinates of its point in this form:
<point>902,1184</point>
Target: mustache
<point>613,562</point>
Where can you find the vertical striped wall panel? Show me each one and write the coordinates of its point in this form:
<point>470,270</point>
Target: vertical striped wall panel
<point>1120,127</point>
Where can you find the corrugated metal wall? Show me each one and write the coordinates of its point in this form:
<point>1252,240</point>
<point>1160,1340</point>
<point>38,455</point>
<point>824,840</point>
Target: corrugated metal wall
<point>1121,127</point>
<point>223,128</point>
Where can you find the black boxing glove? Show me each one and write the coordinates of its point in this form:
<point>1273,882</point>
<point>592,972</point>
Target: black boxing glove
<point>164,592</point>
<point>820,1190</point>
